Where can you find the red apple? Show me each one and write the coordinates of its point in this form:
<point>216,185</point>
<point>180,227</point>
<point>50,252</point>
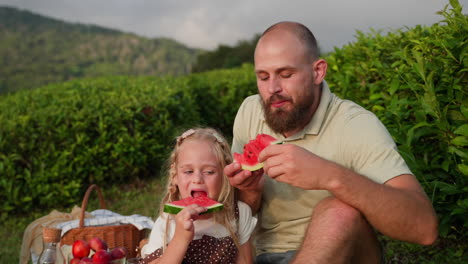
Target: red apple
<point>80,249</point>
<point>97,243</point>
<point>102,257</point>
<point>86,260</point>
<point>75,261</point>
<point>118,253</point>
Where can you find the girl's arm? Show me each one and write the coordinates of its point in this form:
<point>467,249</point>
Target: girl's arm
<point>245,255</point>
<point>184,233</point>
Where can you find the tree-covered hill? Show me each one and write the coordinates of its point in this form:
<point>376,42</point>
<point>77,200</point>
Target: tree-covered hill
<point>37,50</point>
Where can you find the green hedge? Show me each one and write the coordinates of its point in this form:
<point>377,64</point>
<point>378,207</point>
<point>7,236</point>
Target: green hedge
<point>416,82</point>
<point>219,94</point>
<point>56,140</point>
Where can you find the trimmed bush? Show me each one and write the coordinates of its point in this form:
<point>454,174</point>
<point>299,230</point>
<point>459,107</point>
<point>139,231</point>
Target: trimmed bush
<point>220,93</point>
<point>416,82</point>
<point>56,140</point>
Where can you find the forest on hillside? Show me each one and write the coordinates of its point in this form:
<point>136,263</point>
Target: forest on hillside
<point>36,50</point>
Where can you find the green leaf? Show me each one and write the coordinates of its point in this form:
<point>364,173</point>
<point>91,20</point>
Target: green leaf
<point>460,141</point>
<point>460,153</point>
<point>464,169</point>
<point>462,130</point>
<point>455,4</point>
<point>411,131</point>
<point>464,110</point>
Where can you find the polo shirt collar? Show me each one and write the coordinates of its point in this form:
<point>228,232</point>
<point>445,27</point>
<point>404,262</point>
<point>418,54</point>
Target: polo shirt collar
<point>318,119</point>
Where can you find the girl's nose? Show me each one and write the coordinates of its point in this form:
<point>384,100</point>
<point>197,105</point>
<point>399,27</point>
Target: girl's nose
<point>197,177</point>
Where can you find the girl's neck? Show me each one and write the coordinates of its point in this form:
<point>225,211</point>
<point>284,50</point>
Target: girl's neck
<point>205,216</point>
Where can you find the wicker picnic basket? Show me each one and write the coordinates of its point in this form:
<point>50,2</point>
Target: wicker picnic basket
<point>123,235</point>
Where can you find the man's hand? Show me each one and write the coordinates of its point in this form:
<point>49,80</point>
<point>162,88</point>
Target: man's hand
<point>294,165</point>
<point>249,183</point>
<point>244,180</point>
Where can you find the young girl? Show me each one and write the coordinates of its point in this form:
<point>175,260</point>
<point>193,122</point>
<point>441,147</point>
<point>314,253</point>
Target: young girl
<point>196,168</point>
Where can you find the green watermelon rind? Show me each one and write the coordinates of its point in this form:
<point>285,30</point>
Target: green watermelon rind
<point>260,164</point>
<point>252,168</point>
<point>175,209</point>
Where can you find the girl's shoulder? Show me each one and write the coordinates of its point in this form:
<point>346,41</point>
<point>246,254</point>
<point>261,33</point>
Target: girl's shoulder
<point>246,221</point>
<point>243,207</point>
<point>245,212</point>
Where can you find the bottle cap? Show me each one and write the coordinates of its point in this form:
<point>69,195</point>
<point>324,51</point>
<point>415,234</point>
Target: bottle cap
<point>50,234</point>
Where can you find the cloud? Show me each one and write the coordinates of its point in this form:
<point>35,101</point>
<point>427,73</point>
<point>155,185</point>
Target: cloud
<point>209,23</point>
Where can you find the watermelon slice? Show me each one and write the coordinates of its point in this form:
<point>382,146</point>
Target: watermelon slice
<point>249,158</point>
<point>176,206</point>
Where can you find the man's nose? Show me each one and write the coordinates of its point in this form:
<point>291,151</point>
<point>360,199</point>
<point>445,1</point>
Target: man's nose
<point>274,86</point>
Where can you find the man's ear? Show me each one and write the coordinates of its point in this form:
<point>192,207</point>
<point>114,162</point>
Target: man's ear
<point>320,70</point>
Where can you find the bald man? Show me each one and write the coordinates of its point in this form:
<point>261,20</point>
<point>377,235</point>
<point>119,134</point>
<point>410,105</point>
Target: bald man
<point>337,178</point>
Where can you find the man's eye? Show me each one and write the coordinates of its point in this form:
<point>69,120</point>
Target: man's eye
<point>286,75</point>
<point>188,171</point>
<point>262,77</point>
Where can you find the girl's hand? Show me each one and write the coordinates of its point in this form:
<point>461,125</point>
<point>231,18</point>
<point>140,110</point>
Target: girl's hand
<point>184,222</point>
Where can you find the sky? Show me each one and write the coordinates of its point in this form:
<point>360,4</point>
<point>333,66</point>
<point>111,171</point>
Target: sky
<point>207,24</point>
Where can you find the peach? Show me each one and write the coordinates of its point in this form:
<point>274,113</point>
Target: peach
<point>80,249</point>
<point>102,257</point>
<point>118,253</point>
<point>97,243</point>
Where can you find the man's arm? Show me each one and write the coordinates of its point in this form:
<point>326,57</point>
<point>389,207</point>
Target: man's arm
<point>399,208</point>
<point>249,184</point>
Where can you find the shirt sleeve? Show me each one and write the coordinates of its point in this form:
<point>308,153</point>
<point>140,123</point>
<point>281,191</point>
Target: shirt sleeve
<point>247,222</point>
<point>156,238</point>
<point>372,150</point>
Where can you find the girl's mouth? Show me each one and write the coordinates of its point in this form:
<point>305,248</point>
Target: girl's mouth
<point>198,193</point>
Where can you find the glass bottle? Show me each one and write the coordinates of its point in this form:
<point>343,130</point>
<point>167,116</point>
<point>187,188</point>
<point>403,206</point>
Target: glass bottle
<point>50,237</point>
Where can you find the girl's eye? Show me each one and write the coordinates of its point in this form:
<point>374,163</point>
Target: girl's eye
<point>188,171</point>
<point>209,172</point>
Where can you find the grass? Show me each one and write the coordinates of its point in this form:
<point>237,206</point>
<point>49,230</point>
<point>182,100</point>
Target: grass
<point>143,198</point>
<point>139,198</point>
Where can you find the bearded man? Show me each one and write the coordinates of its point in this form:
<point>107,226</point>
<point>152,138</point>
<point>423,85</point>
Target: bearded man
<point>337,178</point>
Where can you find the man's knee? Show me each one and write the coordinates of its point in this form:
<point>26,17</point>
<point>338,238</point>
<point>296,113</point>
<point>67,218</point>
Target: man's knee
<point>338,212</point>
<point>345,224</point>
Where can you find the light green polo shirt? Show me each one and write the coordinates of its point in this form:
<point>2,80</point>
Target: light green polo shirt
<point>340,131</point>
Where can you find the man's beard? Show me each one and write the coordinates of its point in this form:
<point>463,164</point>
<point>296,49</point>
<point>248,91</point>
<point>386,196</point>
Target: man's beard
<point>281,121</point>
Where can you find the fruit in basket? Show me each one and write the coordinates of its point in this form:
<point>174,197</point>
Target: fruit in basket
<point>102,257</point>
<point>96,243</point>
<point>75,261</point>
<point>177,206</point>
<point>249,158</point>
<point>118,253</point>
<point>86,260</point>
<point>80,249</point>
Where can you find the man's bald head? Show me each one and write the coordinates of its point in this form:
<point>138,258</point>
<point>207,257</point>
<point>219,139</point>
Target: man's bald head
<point>303,34</point>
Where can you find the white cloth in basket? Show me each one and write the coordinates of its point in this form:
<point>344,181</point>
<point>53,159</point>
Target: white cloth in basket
<point>103,217</point>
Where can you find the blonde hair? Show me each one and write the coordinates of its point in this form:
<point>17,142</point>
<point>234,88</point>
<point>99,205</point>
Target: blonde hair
<point>227,195</point>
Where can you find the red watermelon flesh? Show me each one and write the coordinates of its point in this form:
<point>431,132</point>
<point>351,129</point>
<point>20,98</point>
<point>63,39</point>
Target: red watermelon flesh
<point>249,158</point>
<point>202,200</point>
